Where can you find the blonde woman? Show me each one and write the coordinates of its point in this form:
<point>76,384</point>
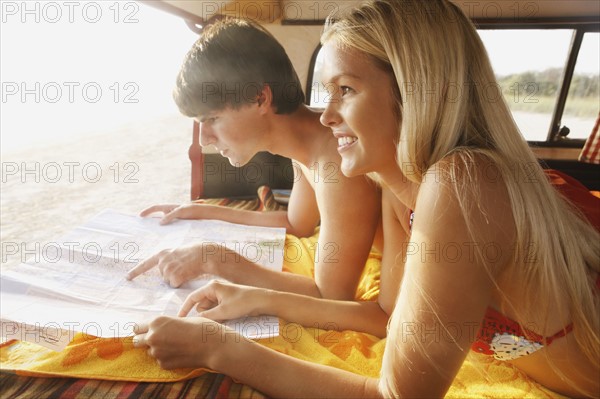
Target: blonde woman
<point>492,245</point>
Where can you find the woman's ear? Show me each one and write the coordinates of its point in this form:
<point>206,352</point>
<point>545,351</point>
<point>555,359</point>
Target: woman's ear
<point>265,99</point>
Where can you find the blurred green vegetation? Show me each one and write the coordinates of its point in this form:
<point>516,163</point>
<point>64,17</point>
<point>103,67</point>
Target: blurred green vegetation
<point>537,92</point>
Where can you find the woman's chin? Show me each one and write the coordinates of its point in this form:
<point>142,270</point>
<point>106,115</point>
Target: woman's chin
<point>351,169</point>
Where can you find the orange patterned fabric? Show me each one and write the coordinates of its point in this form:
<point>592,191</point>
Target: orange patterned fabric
<point>591,149</point>
<point>265,201</point>
<point>577,194</point>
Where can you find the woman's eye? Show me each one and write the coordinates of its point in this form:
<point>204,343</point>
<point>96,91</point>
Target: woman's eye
<point>345,90</point>
<point>329,88</point>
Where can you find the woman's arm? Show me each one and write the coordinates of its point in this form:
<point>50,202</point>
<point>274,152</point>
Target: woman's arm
<point>282,376</point>
<point>223,301</point>
<point>460,240</point>
<point>396,229</point>
<point>350,215</point>
<point>441,302</point>
<point>197,342</point>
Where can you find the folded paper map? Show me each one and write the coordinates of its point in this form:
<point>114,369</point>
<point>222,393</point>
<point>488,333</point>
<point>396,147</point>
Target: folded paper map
<point>78,283</point>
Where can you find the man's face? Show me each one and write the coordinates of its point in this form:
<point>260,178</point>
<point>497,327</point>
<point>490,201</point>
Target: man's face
<point>236,133</point>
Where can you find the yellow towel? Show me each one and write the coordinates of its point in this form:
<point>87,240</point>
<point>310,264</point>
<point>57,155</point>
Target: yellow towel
<point>89,357</point>
<point>116,359</point>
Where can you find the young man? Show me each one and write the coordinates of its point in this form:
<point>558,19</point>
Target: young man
<point>239,84</point>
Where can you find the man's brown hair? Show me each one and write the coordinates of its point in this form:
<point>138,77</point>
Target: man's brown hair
<point>230,65</point>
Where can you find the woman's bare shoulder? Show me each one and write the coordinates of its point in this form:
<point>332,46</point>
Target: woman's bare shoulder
<point>466,193</point>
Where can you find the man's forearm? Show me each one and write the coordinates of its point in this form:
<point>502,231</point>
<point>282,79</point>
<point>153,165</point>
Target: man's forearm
<point>240,216</point>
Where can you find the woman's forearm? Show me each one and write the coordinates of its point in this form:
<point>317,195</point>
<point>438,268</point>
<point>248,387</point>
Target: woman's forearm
<point>282,376</point>
<point>240,270</point>
<point>325,313</point>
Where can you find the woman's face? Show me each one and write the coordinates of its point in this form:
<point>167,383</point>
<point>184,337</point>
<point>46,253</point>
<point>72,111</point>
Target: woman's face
<point>360,110</point>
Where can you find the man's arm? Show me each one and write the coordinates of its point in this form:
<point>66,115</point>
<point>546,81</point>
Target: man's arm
<point>350,210</point>
<point>183,264</point>
<point>299,220</point>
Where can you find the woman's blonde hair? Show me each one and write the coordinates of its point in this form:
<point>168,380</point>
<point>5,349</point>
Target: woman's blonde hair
<point>451,105</point>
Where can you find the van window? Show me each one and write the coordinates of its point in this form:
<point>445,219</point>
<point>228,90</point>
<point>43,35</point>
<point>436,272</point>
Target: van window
<point>583,102</point>
<point>317,95</point>
<point>530,73</point>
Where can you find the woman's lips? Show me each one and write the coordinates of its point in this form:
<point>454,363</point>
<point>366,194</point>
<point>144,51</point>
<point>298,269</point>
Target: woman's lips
<point>345,141</point>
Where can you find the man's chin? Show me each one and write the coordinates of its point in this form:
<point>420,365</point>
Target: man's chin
<point>237,162</point>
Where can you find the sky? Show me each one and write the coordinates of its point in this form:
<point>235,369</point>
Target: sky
<point>77,69</point>
<point>520,51</point>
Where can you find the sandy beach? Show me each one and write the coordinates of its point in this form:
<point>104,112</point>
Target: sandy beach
<point>49,189</point>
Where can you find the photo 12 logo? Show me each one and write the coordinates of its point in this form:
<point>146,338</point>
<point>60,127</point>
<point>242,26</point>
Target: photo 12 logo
<point>55,172</point>
<point>270,10</point>
<point>53,12</point>
<point>72,252</point>
<point>69,92</point>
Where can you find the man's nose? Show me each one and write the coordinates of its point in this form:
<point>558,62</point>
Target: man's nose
<point>206,135</point>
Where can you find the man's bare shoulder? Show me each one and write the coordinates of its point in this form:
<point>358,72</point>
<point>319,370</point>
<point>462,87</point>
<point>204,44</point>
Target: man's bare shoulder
<point>324,173</point>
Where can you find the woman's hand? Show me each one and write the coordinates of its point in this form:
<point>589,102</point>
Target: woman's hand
<point>192,342</point>
<point>171,211</point>
<point>220,300</point>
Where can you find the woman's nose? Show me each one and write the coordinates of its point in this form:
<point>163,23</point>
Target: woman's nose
<point>330,116</point>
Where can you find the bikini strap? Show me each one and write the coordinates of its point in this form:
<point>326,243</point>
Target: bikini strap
<point>559,334</point>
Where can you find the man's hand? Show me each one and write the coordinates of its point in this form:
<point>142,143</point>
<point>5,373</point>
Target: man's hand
<point>180,265</point>
<point>171,212</point>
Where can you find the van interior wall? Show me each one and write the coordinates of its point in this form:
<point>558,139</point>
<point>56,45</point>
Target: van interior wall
<point>300,42</point>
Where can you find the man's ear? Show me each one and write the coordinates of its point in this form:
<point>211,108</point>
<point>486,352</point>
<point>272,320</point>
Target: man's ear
<point>265,99</point>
